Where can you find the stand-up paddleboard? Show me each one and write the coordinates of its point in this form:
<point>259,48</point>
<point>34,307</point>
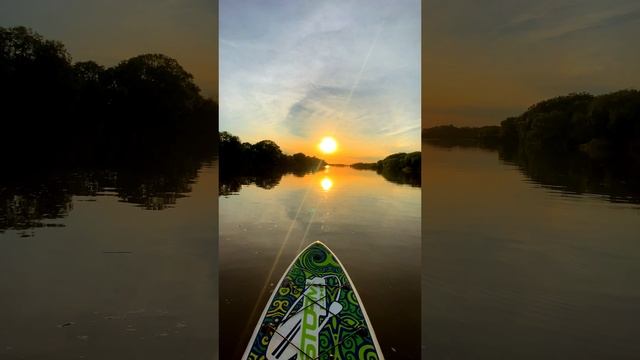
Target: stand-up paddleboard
<point>314,313</point>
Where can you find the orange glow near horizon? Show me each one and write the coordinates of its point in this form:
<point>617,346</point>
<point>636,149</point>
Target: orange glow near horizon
<point>349,149</point>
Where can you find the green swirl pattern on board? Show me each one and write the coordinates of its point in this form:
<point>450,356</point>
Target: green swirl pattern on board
<point>344,335</point>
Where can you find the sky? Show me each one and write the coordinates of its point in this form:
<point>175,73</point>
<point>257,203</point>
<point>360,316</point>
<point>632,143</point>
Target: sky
<point>295,71</point>
<point>109,31</point>
<point>487,60</point>
<point>292,70</point>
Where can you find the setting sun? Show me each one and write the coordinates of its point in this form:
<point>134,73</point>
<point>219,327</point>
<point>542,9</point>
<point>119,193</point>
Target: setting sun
<point>328,145</point>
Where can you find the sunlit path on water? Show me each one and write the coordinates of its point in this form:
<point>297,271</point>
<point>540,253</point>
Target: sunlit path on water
<point>372,224</point>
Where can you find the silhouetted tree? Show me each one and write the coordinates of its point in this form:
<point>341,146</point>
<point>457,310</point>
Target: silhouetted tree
<point>141,127</point>
<point>605,126</point>
<point>266,155</point>
<point>401,168</point>
<point>262,163</point>
<point>58,112</point>
<point>567,123</point>
<point>36,91</point>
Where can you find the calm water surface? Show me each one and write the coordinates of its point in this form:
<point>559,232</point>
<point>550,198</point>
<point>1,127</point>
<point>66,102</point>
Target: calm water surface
<point>542,267</point>
<point>115,265</point>
<point>371,224</point>
<point>516,262</point>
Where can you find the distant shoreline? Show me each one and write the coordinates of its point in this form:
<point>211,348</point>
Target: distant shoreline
<point>601,126</point>
<point>264,162</point>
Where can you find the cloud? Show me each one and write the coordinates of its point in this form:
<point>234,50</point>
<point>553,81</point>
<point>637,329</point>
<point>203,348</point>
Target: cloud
<point>334,108</point>
<point>559,21</point>
<point>404,130</point>
<point>315,109</point>
<point>300,69</point>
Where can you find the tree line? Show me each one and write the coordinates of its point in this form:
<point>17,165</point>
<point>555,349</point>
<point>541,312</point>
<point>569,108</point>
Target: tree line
<point>243,158</point>
<point>57,111</point>
<point>403,168</point>
<point>604,125</point>
<point>449,135</point>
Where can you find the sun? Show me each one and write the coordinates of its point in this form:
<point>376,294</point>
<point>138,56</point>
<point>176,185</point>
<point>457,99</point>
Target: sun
<point>328,145</point>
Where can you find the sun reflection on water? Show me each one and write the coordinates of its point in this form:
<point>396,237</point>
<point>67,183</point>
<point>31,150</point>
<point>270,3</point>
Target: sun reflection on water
<point>326,183</point>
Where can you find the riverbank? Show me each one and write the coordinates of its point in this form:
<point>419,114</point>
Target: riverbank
<point>603,126</point>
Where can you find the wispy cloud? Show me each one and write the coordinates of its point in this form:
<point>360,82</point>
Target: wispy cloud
<point>558,21</point>
<point>403,130</point>
<point>302,68</point>
<point>316,108</point>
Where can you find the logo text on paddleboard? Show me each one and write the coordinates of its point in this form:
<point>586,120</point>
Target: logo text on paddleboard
<point>297,336</point>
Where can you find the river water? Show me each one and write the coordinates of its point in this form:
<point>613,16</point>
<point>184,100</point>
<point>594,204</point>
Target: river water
<point>521,258</point>
<point>109,264</point>
<point>371,224</point>
<point>536,259</point>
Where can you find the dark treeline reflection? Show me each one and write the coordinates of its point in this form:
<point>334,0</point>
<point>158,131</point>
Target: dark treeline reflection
<point>262,163</point>
<point>29,197</point>
<point>139,130</point>
<point>617,180</point>
<point>573,172</point>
